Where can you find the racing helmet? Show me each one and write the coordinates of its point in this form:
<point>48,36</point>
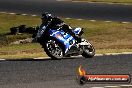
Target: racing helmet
<point>46,16</point>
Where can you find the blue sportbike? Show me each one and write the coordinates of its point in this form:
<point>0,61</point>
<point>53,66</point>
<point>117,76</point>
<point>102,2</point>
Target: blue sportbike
<point>59,44</point>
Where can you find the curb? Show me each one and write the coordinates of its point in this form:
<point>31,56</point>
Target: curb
<point>2,59</point>
<point>106,54</point>
<point>95,2</point>
<point>120,86</point>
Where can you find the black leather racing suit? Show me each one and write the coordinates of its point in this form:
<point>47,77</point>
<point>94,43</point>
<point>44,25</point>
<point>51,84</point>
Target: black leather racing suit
<point>56,23</point>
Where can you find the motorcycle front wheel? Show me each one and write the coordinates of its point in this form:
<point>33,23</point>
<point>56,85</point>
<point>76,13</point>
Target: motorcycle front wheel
<point>88,51</point>
<point>53,49</point>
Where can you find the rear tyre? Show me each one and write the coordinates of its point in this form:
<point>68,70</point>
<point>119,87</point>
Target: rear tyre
<point>88,51</point>
<point>53,49</point>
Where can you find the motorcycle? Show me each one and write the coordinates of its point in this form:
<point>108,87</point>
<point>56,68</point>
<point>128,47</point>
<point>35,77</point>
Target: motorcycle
<point>59,44</point>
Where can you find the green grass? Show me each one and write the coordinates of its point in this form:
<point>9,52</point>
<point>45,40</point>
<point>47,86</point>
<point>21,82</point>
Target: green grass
<point>22,47</point>
<point>22,51</point>
<point>108,1</point>
<point>113,35</point>
<point>104,51</point>
<point>23,56</point>
<point>107,37</point>
<point>7,21</point>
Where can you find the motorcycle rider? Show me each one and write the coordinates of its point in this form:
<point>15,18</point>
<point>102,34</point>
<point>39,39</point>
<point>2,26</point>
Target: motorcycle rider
<point>49,22</point>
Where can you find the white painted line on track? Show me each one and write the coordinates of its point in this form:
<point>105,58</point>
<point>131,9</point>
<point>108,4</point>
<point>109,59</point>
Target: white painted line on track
<point>41,58</point>
<point>95,55</point>
<point>112,87</point>
<point>126,85</point>
<point>92,20</point>
<point>67,18</point>
<point>120,86</point>
<point>38,58</point>
<point>99,54</point>
<point>33,15</point>
<point>125,22</point>
<point>97,87</point>
<point>12,13</point>
<point>126,52</point>
<point>77,1</point>
<point>92,2</point>
<point>79,19</point>
<point>108,21</point>
<point>2,59</point>
<point>112,53</point>
<point>24,14</point>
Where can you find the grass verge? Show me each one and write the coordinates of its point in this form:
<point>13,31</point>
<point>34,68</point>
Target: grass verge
<point>109,1</point>
<point>107,37</point>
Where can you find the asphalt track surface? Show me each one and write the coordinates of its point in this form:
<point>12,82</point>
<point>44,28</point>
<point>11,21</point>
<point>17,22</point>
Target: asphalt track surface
<point>69,9</point>
<point>60,73</point>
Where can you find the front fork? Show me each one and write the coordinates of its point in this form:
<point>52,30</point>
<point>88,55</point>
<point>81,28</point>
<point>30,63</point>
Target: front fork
<point>84,43</point>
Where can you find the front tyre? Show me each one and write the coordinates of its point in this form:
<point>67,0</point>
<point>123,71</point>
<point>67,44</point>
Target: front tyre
<point>88,51</point>
<point>53,49</point>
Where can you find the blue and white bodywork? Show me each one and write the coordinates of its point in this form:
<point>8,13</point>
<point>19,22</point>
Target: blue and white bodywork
<point>77,30</point>
<point>64,38</point>
<point>59,44</point>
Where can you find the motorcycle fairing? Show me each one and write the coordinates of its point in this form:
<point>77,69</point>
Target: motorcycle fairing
<point>77,30</point>
<point>63,37</point>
